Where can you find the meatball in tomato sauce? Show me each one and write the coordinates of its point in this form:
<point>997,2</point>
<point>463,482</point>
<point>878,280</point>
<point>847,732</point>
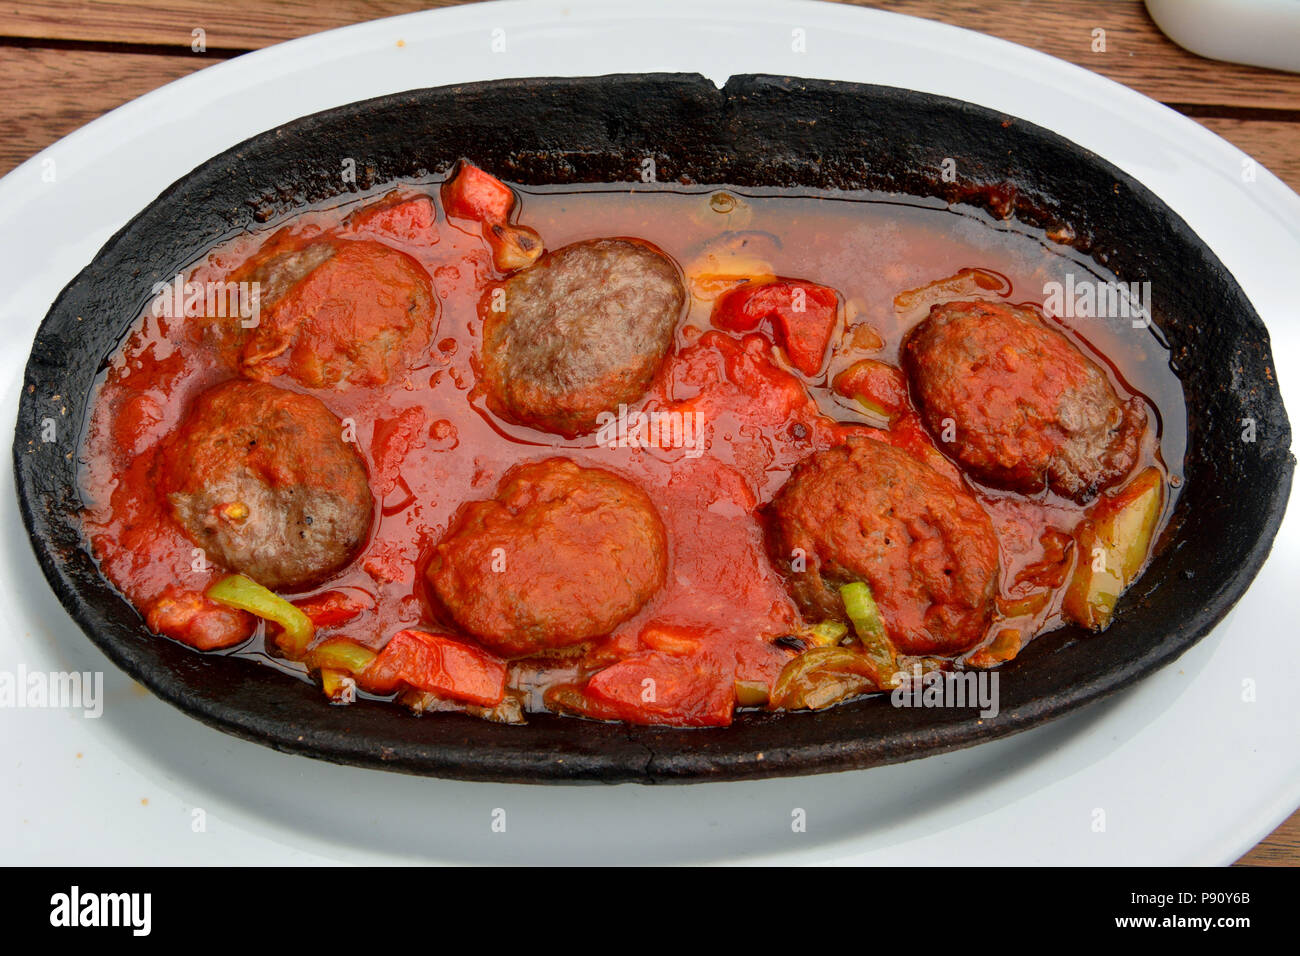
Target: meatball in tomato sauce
<point>333,313</point>
<point>562,554</point>
<point>262,479</point>
<point>1017,404</point>
<point>867,511</point>
<point>580,332</point>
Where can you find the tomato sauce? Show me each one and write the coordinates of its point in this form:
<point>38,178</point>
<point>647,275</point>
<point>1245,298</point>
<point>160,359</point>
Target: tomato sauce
<point>430,443</point>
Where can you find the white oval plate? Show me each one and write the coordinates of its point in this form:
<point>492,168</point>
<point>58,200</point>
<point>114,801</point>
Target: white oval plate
<point>1182,768</point>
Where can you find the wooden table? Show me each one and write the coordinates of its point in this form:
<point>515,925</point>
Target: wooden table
<point>65,62</point>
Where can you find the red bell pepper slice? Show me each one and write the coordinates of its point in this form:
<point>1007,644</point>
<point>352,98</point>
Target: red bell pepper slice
<point>803,316</point>
<point>474,194</point>
<point>437,664</point>
<point>881,388</point>
<point>658,688</point>
<point>480,197</point>
<point>189,617</point>
<point>332,608</point>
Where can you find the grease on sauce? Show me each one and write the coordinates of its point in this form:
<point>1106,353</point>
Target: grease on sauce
<point>430,444</point>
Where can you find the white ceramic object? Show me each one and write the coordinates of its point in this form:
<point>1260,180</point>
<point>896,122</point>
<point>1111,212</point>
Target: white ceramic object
<point>1254,32</point>
<point>1181,767</point>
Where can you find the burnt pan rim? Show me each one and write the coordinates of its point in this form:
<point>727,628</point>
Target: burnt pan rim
<point>264,706</point>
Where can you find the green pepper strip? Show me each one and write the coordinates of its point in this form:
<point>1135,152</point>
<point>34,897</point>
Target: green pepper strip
<point>342,656</point>
<point>870,629</point>
<point>825,633</point>
<point>237,591</point>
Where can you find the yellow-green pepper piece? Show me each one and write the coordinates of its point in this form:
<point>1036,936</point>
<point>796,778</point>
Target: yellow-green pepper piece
<point>1111,546</point>
<point>869,627</point>
<point>824,633</point>
<point>341,655</point>
<point>237,591</point>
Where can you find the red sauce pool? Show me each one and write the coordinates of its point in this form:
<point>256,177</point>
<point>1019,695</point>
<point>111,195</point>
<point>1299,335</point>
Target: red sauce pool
<point>868,247</point>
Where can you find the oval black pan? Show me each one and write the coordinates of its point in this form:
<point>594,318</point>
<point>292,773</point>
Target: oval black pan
<point>757,131</point>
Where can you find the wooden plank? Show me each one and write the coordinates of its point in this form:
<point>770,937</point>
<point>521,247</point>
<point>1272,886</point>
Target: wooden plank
<point>1276,145</point>
<point>1136,53</point>
<point>1280,848</point>
<point>228,25</point>
<point>50,93</point>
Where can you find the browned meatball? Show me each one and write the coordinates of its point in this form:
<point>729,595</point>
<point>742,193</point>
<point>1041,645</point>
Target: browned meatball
<point>561,555</point>
<point>262,479</point>
<point>582,330</point>
<point>333,312</point>
<point>1024,409</point>
<point>867,511</point>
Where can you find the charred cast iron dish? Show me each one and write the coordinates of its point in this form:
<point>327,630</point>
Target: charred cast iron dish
<point>757,131</point>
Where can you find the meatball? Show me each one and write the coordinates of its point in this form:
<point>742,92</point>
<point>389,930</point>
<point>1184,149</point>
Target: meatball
<point>582,330</point>
<point>867,511</point>
<point>333,313</point>
<point>561,555</point>
<point>262,479</point>
<point>1024,408</point>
